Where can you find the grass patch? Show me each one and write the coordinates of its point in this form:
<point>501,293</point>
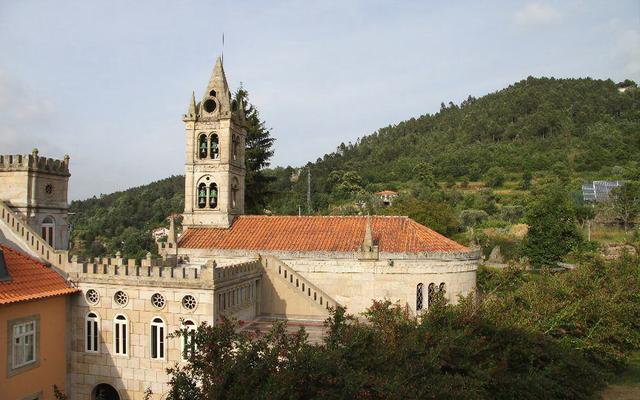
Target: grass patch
<point>608,234</point>
<point>631,375</point>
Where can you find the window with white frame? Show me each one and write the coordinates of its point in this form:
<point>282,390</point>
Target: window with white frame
<point>23,344</point>
<point>92,332</point>
<point>187,340</point>
<point>157,339</point>
<point>120,335</point>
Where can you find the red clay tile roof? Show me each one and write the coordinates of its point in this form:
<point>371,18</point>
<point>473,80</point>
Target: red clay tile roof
<point>340,234</point>
<point>387,193</point>
<point>30,279</point>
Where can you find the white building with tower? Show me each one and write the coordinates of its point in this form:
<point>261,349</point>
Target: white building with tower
<point>255,268</point>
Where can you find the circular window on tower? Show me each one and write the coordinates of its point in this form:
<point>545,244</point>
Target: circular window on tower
<point>158,300</point>
<point>48,189</point>
<point>189,302</point>
<point>210,105</point>
<point>121,298</point>
<point>92,296</point>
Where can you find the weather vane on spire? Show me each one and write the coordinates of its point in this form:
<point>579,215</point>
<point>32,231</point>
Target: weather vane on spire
<point>222,48</point>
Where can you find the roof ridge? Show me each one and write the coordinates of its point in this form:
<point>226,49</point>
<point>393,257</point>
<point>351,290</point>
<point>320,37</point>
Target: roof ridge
<point>322,216</point>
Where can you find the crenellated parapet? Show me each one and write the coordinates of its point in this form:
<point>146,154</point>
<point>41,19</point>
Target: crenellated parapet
<point>33,162</point>
<point>232,272</point>
<point>150,270</point>
<point>161,271</point>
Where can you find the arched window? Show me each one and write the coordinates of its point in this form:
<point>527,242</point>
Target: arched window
<point>202,146</point>
<point>202,195</point>
<point>235,186</point>
<point>48,227</point>
<point>157,339</point>
<point>92,333</point>
<point>120,332</point>
<point>431,294</point>
<point>187,340</point>
<point>442,288</point>
<point>234,147</point>
<point>213,195</point>
<point>215,149</point>
<point>419,297</point>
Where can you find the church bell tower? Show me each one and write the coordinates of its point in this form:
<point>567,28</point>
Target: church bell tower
<point>214,167</point>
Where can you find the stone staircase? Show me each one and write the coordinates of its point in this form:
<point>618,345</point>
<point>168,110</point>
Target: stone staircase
<point>315,330</point>
<point>31,239</point>
<point>306,290</point>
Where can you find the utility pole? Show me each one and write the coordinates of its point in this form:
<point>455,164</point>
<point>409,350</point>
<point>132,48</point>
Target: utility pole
<point>309,190</point>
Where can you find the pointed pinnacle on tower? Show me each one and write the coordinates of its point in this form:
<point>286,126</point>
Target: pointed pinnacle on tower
<point>191,114</point>
<point>192,105</point>
<point>216,100</point>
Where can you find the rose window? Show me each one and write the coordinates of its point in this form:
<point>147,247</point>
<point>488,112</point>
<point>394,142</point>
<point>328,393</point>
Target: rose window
<point>92,296</point>
<point>158,300</point>
<point>121,298</point>
<point>189,302</point>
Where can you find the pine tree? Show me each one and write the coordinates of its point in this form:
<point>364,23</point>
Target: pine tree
<point>259,150</point>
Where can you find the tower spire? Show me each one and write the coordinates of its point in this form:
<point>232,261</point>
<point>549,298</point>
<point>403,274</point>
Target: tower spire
<point>216,100</point>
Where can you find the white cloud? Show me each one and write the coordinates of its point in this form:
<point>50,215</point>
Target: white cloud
<point>537,14</point>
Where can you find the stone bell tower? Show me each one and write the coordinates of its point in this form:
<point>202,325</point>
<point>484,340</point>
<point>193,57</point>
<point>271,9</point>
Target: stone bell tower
<point>214,167</point>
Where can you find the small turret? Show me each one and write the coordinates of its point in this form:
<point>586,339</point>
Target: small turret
<point>191,114</point>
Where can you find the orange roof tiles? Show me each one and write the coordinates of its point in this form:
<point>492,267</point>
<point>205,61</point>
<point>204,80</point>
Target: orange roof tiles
<point>387,193</point>
<point>30,279</point>
<point>319,233</point>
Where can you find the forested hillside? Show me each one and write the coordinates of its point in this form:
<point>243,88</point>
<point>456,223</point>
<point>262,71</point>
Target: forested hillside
<point>571,126</point>
<point>122,221</point>
<point>468,164</point>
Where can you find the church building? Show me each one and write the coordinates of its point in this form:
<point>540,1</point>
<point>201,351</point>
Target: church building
<point>251,267</point>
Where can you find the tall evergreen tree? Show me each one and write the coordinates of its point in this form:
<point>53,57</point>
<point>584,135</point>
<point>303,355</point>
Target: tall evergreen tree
<point>259,150</point>
<point>552,226</point>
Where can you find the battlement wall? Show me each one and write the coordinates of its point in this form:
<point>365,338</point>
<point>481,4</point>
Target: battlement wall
<point>231,272</point>
<point>162,270</point>
<point>33,162</point>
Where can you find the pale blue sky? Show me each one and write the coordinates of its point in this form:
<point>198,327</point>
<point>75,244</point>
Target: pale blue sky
<point>107,82</point>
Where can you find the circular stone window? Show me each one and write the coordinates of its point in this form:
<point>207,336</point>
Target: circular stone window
<point>210,105</point>
<point>92,296</point>
<point>158,300</point>
<point>189,302</point>
<point>121,298</point>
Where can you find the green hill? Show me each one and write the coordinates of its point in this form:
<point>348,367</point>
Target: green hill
<point>575,128</point>
<point>581,127</point>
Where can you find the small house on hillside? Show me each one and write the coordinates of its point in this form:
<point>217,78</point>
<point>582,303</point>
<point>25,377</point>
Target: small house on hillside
<point>387,196</point>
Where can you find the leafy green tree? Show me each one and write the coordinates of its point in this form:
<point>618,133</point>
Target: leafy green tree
<point>625,202</point>
<point>526,180</point>
<point>258,152</point>
<point>438,216</point>
<point>552,226</point>
<point>495,176</point>
<point>472,217</point>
